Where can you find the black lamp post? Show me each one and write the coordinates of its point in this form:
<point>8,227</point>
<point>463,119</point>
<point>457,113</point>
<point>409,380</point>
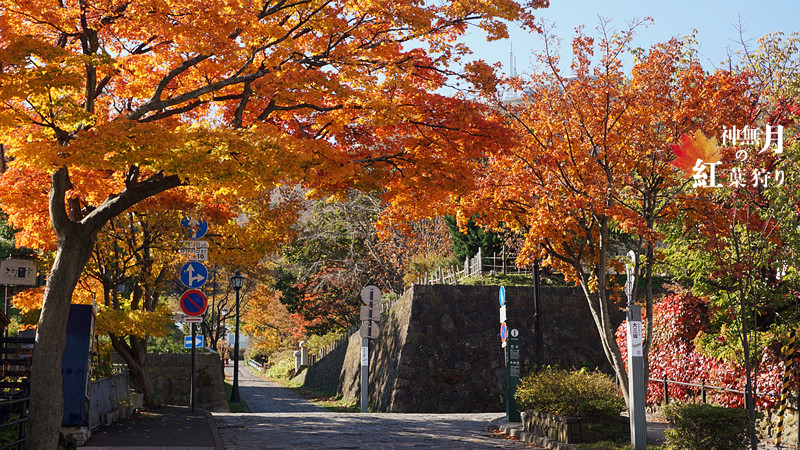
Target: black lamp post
<point>237,280</point>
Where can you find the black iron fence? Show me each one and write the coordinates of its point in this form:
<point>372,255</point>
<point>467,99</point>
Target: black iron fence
<point>15,371</point>
<point>14,417</point>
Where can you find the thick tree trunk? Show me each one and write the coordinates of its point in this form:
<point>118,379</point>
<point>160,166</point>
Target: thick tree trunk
<point>135,355</point>
<point>75,240</point>
<point>47,401</point>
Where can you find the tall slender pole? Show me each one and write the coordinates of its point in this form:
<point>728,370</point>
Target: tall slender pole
<point>235,391</point>
<point>365,360</point>
<point>193,388</point>
<point>636,388</point>
<point>537,315</point>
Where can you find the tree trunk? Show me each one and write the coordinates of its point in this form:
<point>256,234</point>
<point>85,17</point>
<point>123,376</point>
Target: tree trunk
<point>76,237</point>
<point>602,321</point>
<point>47,400</point>
<point>135,355</point>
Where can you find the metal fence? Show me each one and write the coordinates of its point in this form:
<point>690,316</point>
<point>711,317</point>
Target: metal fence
<point>14,416</point>
<point>15,370</point>
<point>702,389</point>
<point>105,395</point>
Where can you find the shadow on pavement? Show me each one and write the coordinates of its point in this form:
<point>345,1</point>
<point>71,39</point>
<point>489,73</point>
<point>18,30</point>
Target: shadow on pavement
<point>164,427</point>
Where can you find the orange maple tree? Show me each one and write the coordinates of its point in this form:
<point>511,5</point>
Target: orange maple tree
<point>590,173</point>
<point>225,97</point>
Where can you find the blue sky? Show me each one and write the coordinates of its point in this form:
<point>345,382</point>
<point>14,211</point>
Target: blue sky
<point>715,22</point>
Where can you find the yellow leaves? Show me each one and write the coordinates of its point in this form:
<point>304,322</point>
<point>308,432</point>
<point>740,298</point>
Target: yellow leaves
<point>28,300</point>
<point>124,321</point>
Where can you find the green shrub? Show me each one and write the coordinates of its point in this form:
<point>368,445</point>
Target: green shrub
<point>570,393</point>
<point>699,425</point>
<point>281,365</point>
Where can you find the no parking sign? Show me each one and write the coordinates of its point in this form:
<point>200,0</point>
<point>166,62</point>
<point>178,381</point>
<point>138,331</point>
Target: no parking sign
<point>194,302</point>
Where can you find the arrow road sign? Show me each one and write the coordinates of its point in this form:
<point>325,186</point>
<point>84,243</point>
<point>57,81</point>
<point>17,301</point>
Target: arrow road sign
<point>194,274</point>
<point>198,341</point>
<point>197,228</point>
<point>194,302</point>
<point>502,295</point>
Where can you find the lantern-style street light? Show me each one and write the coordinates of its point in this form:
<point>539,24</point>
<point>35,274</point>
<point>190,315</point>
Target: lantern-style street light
<point>237,281</point>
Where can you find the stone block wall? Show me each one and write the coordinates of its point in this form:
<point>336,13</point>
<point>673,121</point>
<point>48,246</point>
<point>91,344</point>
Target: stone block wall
<point>439,347</point>
<point>451,359</point>
<point>171,374</point>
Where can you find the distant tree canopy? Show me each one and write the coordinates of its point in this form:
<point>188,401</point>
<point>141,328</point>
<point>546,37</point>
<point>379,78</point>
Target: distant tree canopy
<point>466,244</point>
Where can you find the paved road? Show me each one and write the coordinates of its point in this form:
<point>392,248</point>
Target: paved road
<point>279,419</point>
<point>264,396</point>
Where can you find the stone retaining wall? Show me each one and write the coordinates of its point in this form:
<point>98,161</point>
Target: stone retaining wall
<point>171,374</point>
<point>439,348</point>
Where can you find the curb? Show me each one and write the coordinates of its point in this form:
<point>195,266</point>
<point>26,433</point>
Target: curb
<point>515,430</point>
<point>214,431</point>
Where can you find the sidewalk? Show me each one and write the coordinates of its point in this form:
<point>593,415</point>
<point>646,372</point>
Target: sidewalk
<point>167,428</point>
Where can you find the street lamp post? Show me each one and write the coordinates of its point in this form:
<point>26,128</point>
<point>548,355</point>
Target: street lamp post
<point>237,280</point>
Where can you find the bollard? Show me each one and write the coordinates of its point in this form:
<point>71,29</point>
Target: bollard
<point>303,354</point>
<point>703,389</point>
<point>297,361</point>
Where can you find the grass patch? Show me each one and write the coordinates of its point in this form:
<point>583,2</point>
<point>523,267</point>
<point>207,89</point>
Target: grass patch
<point>240,407</point>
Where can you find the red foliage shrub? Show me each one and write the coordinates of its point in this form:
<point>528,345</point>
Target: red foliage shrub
<point>677,319</point>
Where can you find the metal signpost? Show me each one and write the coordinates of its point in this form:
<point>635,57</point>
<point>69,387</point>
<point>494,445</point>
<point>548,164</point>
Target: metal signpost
<point>636,384</point>
<point>193,275</point>
<point>194,304</point>
<point>369,330</point>
<point>512,374</point>
<point>511,347</point>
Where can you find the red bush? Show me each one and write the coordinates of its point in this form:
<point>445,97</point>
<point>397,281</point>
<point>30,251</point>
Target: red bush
<point>677,319</point>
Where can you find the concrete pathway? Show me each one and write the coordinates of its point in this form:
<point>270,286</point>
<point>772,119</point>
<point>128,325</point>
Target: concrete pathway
<point>279,419</point>
<point>264,396</point>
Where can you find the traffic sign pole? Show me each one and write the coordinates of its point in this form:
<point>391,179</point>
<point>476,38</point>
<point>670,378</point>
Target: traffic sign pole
<point>365,361</point>
<point>193,388</point>
<point>368,297</point>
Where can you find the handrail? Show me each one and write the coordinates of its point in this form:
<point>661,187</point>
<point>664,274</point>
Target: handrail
<point>665,382</point>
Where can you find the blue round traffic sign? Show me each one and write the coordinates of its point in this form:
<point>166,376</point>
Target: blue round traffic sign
<point>503,332</point>
<point>194,274</point>
<point>197,228</point>
<point>502,295</point>
<point>194,302</point>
